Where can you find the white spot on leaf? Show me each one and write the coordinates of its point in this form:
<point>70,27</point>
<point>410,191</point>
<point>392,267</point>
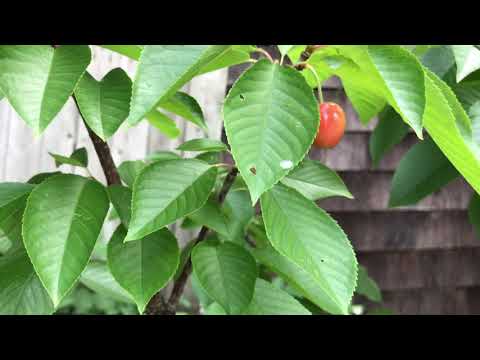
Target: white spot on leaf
<point>286,164</point>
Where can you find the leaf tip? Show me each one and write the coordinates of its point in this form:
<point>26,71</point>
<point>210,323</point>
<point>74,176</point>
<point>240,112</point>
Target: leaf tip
<point>419,132</point>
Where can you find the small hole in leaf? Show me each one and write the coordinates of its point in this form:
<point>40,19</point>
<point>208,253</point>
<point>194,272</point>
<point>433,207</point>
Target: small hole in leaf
<point>253,170</point>
<point>242,98</point>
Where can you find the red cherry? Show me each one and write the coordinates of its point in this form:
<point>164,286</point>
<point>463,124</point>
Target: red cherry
<point>332,125</point>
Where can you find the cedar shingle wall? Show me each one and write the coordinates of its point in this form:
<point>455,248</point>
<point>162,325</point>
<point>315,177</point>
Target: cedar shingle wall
<point>425,258</point>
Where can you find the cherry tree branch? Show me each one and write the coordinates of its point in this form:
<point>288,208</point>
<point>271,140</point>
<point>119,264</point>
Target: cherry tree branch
<point>103,152</point>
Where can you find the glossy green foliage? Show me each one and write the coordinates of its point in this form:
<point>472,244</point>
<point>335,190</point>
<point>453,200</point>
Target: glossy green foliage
<point>78,158</point>
<point>315,181</point>
<point>104,104</point>
<point>227,272</point>
<point>390,131</point>
<point>422,171</point>
<point>271,118</point>
<point>162,70</point>
<point>37,80</point>
<point>61,223</point>
<point>143,267</point>
<point>203,145</point>
<point>311,239</point>
<point>166,191</point>
<point>21,292</point>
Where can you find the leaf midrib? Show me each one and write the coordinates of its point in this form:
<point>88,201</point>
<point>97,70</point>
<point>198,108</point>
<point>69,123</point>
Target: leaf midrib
<point>224,284</point>
<point>266,117</point>
<point>68,238</point>
<point>38,129</point>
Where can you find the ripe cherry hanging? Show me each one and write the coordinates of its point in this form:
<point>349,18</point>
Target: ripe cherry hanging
<point>332,125</point>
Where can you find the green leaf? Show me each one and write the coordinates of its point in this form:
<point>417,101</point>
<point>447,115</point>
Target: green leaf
<point>467,58</point>
<point>78,158</point>
<point>315,181</point>
<point>450,128</point>
<point>21,292</point>
<point>474,213</point>
<point>161,156</point>
<point>363,92</point>
<point>366,286</point>
<point>1,96</point>
<point>215,309</point>
<point>229,220</point>
<point>61,223</point>
<point>185,106</point>
<point>209,145</point>
<point>423,170</point>
<point>38,79</point>
<point>404,83</point>
<point>145,266</point>
<point>202,297</point>
<point>474,114</point>
<point>320,61</point>
<point>104,104</point>
<point>390,131</point>
<point>162,122</point>
<point>129,170</point>
<point>270,300</point>
<point>39,178</point>
<point>468,92</point>
<point>284,49</point>
<point>13,198</point>
<point>166,191</point>
<point>238,212</point>
<point>132,51</point>
<point>211,216</point>
<point>236,54</point>
<point>310,238</point>
<point>162,70</point>
<point>211,158</point>
<point>97,277</point>
<point>184,257</point>
<point>121,199</point>
<point>271,119</point>
<point>439,60</point>
<point>295,53</point>
<point>227,272</point>
<point>10,192</point>
<point>298,278</point>
<point>361,87</point>
<point>419,50</point>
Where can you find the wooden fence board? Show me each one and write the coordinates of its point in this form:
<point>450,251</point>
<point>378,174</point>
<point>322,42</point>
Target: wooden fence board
<point>445,301</point>
<point>423,269</point>
<point>372,191</point>
<point>379,231</point>
<point>352,153</point>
